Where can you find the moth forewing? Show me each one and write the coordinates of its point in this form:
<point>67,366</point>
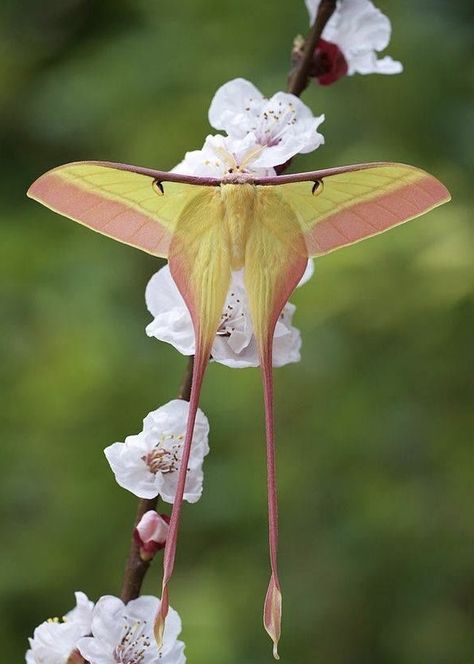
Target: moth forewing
<point>355,204</point>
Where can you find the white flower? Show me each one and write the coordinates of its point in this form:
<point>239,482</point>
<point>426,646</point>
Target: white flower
<point>147,464</point>
<point>235,344</point>
<point>222,155</point>
<point>54,641</point>
<point>360,30</point>
<point>151,533</point>
<point>124,634</point>
<point>262,133</point>
<point>283,123</point>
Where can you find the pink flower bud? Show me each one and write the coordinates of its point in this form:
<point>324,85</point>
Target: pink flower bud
<point>151,533</point>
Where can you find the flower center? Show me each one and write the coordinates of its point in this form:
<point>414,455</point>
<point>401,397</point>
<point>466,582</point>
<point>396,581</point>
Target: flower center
<point>165,459</point>
<point>134,644</point>
<point>233,164</point>
<point>274,123</point>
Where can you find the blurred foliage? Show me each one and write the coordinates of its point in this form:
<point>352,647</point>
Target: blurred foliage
<point>374,425</point>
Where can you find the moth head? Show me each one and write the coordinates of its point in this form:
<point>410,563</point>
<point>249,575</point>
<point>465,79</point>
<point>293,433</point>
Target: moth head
<point>236,176</point>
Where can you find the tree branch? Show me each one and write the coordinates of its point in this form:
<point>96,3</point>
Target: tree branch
<point>185,389</point>
<point>299,77</point>
<point>136,568</point>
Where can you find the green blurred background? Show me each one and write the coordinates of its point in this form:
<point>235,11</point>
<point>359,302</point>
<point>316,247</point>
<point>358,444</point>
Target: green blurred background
<point>374,425</point>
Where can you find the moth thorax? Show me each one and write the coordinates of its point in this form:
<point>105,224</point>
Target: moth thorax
<point>239,204</point>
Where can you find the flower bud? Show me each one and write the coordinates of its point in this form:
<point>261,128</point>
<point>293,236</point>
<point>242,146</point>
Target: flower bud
<point>328,63</point>
<point>151,533</point>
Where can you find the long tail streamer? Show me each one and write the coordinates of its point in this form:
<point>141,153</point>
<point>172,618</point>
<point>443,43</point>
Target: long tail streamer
<point>273,600</point>
<point>200,363</point>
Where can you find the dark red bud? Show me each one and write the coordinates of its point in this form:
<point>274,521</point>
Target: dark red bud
<point>328,64</point>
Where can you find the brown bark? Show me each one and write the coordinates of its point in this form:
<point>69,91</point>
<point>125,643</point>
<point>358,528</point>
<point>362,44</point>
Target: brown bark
<point>299,77</point>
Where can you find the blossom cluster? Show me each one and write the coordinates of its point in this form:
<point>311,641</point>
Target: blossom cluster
<point>261,133</point>
<point>106,633</point>
<point>259,136</point>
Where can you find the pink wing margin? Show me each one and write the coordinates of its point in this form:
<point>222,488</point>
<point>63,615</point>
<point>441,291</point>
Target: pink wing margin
<point>120,201</point>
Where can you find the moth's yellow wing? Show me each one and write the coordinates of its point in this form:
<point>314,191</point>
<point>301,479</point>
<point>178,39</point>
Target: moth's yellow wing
<point>125,205</point>
<point>348,207</point>
<point>275,258</point>
<point>199,260</point>
<point>181,221</point>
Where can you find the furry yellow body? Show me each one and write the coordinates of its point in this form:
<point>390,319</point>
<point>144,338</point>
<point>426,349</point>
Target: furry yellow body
<point>239,202</point>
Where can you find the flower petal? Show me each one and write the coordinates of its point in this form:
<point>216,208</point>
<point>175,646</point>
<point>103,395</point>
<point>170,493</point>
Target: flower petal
<point>308,273</point>
<point>235,106</point>
<point>81,615</point>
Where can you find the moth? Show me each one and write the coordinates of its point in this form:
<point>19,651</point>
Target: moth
<point>208,227</point>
